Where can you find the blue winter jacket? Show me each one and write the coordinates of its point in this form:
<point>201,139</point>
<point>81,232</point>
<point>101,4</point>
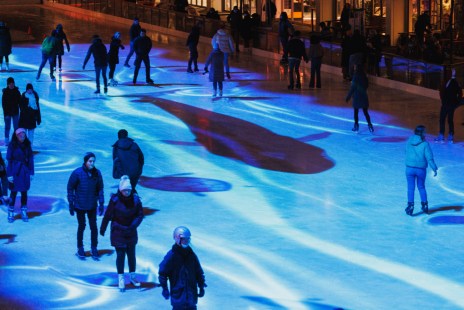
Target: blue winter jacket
<point>85,188</point>
<point>419,154</point>
<point>20,164</point>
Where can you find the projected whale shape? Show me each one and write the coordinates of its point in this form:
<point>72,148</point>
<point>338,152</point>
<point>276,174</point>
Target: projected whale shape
<point>247,142</point>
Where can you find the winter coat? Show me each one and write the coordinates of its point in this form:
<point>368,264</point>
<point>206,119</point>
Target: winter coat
<point>30,116</point>
<point>235,19</point>
<point>11,99</point>
<point>60,37</point>
<point>216,72</point>
<point>5,41</point>
<point>85,188</point>
<point>358,91</point>
<point>316,51</point>
<point>224,41</point>
<point>128,159</point>
<point>134,31</point>
<point>419,154</point>
<point>142,46</point>
<point>20,164</point>
<point>285,28</point>
<point>451,94</point>
<point>296,49</point>
<point>113,54</point>
<point>183,270</point>
<point>125,214</point>
<point>193,38</point>
<point>98,50</point>
<point>50,46</point>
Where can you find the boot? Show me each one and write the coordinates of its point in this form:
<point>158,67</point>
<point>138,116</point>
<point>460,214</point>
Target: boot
<point>134,280</point>
<point>94,252</point>
<point>24,214</point>
<point>371,128</point>
<point>80,252</point>
<point>450,138</point>
<point>10,214</point>
<point>410,208</point>
<point>220,93</point>
<point>440,138</point>
<point>425,207</point>
<point>355,128</point>
<point>214,93</point>
<point>121,284</point>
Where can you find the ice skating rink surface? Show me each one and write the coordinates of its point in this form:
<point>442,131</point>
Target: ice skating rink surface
<point>288,208</point>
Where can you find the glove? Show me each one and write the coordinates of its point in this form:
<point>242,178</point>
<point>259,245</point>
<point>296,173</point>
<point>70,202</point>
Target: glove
<point>201,293</point>
<point>71,209</point>
<point>101,210</point>
<point>165,293</point>
<point>10,179</point>
<point>435,173</point>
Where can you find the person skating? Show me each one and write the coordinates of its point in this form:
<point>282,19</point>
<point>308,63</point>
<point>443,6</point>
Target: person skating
<point>128,158</point>
<point>11,100</point>
<point>98,50</point>
<point>224,41</point>
<point>358,91</point>
<point>450,95</point>
<point>418,157</point>
<point>216,74</point>
<point>316,52</point>
<point>60,37</point>
<point>113,56</point>
<point>134,33</point>
<point>286,29</point>
<point>20,171</point>
<point>142,47</point>
<point>182,268</point>
<point>192,43</point>
<point>30,116</point>
<point>125,213</point>
<point>49,50</point>
<point>85,190</point>
<point>296,51</point>
<point>5,45</point>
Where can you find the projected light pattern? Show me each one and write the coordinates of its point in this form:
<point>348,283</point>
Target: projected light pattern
<point>288,208</point>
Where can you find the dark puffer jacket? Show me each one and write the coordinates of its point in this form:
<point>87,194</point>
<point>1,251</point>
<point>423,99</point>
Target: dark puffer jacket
<point>125,214</point>
<point>85,188</point>
<point>29,117</point>
<point>183,270</point>
<point>142,46</point>
<point>98,50</point>
<point>20,164</point>
<point>113,54</point>
<point>128,159</point>
<point>11,100</point>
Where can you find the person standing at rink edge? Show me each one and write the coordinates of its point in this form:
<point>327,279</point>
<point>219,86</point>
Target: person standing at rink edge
<point>418,156</point>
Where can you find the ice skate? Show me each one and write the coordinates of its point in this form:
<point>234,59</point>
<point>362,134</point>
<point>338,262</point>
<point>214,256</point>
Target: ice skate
<point>410,208</point>
<point>450,138</point>
<point>80,253</point>
<point>10,214</point>
<point>24,216</point>
<point>355,128</point>
<point>371,128</point>
<point>440,138</point>
<point>94,253</point>
<point>134,280</point>
<point>121,284</point>
<point>425,207</point>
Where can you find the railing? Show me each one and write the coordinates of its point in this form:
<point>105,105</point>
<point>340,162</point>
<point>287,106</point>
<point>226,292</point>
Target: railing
<point>392,66</point>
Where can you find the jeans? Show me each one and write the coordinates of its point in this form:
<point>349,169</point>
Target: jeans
<point>102,70</point>
<point>8,119</point>
<point>92,216</point>
<point>315,72</point>
<point>284,42</point>
<point>138,63</point>
<point>23,198</point>
<point>121,255</point>
<point>216,84</point>
<point>112,67</point>
<point>414,175</point>
<point>51,61</point>
<point>447,112</point>
<point>131,52</point>
<point>294,68</point>
<point>193,59</point>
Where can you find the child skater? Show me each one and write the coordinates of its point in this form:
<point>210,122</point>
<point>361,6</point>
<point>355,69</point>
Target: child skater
<point>192,43</point>
<point>216,75</point>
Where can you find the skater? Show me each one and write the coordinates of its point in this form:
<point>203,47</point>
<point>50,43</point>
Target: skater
<point>49,50</point>
<point>125,213</point>
<point>183,270</point>
<point>296,51</point>
<point>20,171</point>
<point>226,44</point>
<point>358,91</point>
<point>128,158</point>
<point>11,99</point>
<point>270,11</point>
<point>85,189</point>
<point>450,95</point>
<point>216,75</point>
<point>98,50</point>
<point>286,30</point>
<point>192,43</point>
<point>113,56</point>
<point>30,117</point>
<point>418,156</point>
<point>134,33</point>
<point>316,52</point>
<point>3,183</point>
<point>235,21</point>
<point>5,45</point>
<point>142,47</point>
<point>60,37</point>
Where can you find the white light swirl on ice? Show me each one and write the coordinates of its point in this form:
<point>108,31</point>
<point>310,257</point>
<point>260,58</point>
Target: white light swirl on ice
<point>448,183</point>
<point>54,163</point>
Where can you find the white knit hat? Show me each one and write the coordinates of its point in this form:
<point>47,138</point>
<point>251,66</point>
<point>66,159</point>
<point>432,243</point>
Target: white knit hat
<point>124,183</point>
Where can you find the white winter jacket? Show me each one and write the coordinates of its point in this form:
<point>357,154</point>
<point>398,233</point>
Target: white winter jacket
<point>224,41</point>
<point>419,154</point>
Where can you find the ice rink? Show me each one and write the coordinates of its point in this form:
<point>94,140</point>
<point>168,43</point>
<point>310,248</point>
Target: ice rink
<point>288,208</point>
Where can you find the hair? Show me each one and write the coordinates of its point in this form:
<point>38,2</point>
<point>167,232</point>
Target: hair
<point>123,134</point>
<point>420,131</point>
<point>9,80</point>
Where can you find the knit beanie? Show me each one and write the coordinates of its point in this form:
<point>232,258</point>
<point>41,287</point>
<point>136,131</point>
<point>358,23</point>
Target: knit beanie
<point>88,155</point>
<point>29,86</point>
<point>9,80</point>
<point>124,183</point>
